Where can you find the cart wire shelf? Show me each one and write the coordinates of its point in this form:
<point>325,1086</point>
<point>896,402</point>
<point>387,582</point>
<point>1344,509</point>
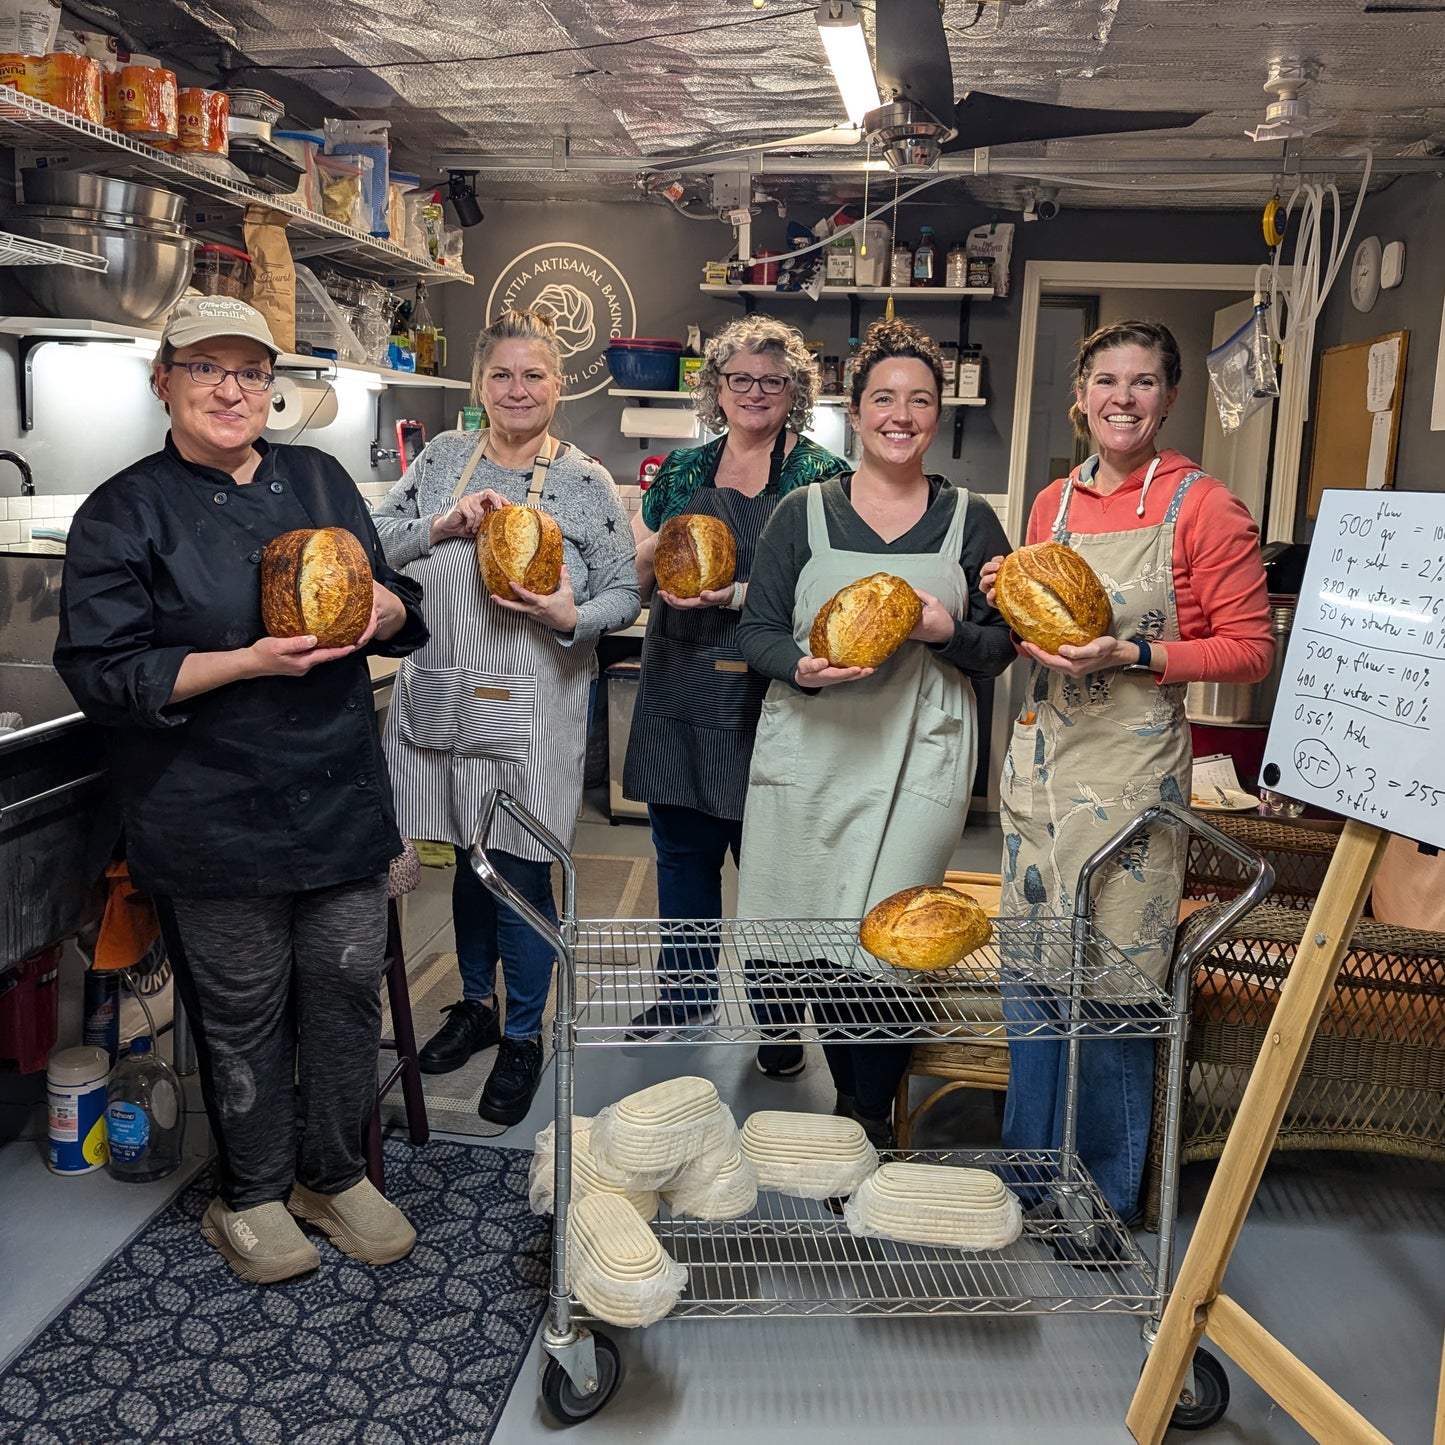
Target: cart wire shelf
<point>25,121</point>
<point>22,251</point>
<point>774,977</point>
<point>793,1258</point>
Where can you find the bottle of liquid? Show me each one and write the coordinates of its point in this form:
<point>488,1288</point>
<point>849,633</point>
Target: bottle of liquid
<point>101,1027</point>
<point>926,270</point>
<point>143,1116</point>
<point>955,270</point>
<point>901,272</point>
<point>849,362</point>
<point>424,336</point>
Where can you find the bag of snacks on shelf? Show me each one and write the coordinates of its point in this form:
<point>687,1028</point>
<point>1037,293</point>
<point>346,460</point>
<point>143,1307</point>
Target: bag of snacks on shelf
<point>273,274</point>
<point>341,183</point>
<point>68,82</point>
<point>29,27</point>
<point>202,117</point>
<point>303,148</point>
<point>995,241</point>
<point>147,101</point>
<point>369,138</point>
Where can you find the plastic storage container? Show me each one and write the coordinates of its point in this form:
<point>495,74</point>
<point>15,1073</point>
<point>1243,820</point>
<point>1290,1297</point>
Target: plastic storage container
<point>75,1083</point>
<point>955,270</point>
<point>875,254</point>
<point>901,269</point>
<point>144,1118</point>
<point>221,271</point>
<point>302,147</point>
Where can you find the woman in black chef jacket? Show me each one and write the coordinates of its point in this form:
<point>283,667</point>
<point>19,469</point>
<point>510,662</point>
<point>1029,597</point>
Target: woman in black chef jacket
<point>698,705</point>
<point>255,795</point>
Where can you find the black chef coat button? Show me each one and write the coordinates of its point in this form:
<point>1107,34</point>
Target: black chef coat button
<point>277,487</point>
<point>219,499</point>
<point>360,780</point>
<point>293,717</point>
<point>351,704</point>
<point>255,556</point>
<point>303,796</point>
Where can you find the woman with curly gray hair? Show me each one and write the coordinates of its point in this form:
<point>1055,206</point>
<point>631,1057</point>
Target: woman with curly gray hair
<point>692,731</point>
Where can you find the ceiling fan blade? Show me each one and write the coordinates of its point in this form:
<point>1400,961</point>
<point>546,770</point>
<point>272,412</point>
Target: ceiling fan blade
<point>996,120</point>
<point>911,59</point>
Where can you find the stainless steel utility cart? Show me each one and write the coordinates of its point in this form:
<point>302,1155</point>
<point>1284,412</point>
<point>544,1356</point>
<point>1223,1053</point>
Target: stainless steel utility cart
<point>793,1257</point>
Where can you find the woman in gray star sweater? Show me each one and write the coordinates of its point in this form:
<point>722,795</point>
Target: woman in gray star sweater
<point>498,697</point>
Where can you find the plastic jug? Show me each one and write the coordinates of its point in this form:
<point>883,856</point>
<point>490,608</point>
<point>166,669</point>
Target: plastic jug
<point>144,1117</point>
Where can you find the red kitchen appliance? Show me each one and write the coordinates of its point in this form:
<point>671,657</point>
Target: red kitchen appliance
<point>28,994</point>
<point>648,471</point>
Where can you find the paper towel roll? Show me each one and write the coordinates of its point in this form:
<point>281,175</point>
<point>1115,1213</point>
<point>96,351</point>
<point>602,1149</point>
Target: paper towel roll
<point>298,402</point>
<point>673,422</point>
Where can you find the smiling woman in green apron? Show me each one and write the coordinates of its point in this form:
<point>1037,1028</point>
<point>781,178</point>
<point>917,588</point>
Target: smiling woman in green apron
<point>861,777</point>
<point>1102,735</point>
<point>498,697</point>
<point>697,711</point>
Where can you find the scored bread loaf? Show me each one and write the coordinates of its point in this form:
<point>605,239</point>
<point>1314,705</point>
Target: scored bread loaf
<point>1049,595</point>
<point>925,928</point>
<point>866,622</point>
<point>316,581</point>
<point>521,545</point>
<point>695,554</point>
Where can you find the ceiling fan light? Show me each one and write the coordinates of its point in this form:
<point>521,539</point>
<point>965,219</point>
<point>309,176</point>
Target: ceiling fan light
<point>842,34</point>
<point>910,137</point>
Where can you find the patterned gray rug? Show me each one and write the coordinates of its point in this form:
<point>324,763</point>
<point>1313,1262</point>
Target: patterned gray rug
<point>607,887</point>
<point>167,1347</point>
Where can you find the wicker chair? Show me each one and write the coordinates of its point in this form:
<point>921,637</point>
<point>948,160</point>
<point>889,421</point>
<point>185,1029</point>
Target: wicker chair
<point>1374,1077</point>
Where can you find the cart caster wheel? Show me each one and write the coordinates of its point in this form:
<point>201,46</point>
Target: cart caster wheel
<point>1204,1399</point>
<point>564,1402</point>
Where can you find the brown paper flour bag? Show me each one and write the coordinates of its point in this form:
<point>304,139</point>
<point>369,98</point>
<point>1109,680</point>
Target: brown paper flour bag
<point>273,276</point>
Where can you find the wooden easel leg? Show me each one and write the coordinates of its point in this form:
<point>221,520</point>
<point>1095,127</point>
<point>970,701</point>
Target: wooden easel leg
<point>1246,1151</point>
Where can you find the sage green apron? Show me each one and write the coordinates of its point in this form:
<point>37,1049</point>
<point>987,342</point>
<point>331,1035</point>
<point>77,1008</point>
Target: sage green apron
<point>861,788</point>
<point>1094,752</point>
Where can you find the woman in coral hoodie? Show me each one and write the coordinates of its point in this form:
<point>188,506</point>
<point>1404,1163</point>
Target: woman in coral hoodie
<point>1102,734</point>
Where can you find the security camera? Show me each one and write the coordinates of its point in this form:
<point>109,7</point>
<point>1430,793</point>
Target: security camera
<point>462,193</point>
<point>1046,206</point>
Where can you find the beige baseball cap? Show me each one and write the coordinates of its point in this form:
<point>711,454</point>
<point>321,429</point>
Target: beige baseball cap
<point>202,318</point>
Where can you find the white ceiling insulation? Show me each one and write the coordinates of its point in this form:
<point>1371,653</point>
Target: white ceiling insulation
<point>639,82</point>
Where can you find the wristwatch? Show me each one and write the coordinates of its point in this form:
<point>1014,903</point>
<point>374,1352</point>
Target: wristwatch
<point>1144,656</point>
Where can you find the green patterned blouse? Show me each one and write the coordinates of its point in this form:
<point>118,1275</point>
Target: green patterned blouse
<point>686,469</point>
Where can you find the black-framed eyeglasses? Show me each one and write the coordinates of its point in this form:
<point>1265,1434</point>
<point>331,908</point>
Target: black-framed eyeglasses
<point>207,373</point>
<point>768,385</point>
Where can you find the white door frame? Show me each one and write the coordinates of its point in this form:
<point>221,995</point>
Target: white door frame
<point>1041,276</point>
<point>1074,276</point>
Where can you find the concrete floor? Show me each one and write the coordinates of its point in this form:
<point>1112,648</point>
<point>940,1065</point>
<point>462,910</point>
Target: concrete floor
<point>1344,1259</point>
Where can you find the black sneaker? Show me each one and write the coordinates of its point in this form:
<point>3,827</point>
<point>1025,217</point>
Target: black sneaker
<point>664,1017</point>
<point>513,1082</point>
<point>781,1061</point>
<point>471,1026</point>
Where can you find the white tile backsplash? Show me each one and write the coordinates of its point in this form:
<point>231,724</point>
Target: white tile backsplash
<point>18,508</point>
<point>10,532</point>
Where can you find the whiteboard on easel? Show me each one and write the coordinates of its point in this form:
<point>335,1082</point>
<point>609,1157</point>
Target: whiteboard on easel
<point>1359,721</point>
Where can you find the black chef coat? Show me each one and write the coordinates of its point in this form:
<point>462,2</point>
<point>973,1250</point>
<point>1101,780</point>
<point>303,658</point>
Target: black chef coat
<point>264,786</point>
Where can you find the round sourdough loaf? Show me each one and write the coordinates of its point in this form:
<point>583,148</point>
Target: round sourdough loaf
<point>1049,595</point>
<point>925,928</point>
<point>866,622</point>
<point>316,581</point>
<point>521,545</point>
<point>695,554</point>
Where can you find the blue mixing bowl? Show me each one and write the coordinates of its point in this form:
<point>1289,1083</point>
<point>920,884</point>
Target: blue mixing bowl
<point>643,370</point>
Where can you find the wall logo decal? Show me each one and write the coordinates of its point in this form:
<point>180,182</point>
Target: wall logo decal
<point>588,296</point>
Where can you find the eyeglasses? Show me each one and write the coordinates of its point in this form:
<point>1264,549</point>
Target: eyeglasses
<point>741,381</point>
<point>207,373</point>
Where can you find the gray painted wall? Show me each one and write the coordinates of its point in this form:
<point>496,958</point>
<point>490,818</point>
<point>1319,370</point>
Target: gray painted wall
<point>663,254</point>
<point>1411,210</point>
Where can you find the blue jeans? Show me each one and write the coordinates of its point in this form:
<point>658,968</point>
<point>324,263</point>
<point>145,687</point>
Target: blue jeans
<point>1115,1098</point>
<point>691,848</point>
<point>488,930</point>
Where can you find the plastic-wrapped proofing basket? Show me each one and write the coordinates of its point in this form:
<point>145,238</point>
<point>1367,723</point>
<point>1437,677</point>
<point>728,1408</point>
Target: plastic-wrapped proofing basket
<point>935,1204</point>
<point>723,1193</point>
<point>588,1177</point>
<point>652,1134</point>
<point>616,1267</point>
<point>810,1156</point>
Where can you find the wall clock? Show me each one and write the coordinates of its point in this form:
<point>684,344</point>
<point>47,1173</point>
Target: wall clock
<point>1365,273</point>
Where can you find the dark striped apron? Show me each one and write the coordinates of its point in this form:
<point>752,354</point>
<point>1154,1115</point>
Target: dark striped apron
<point>698,704</point>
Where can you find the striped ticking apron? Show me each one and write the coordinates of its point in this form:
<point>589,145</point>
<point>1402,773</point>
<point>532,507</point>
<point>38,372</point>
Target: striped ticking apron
<point>698,704</point>
<point>492,701</point>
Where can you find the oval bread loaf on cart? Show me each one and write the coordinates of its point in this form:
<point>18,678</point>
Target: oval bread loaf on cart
<point>1049,595</point>
<point>316,581</point>
<point>925,928</point>
<point>866,622</point>
<point>695,554</point>
<point>521,545</point>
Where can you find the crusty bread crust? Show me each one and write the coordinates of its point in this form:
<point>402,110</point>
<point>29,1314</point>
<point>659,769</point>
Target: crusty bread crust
<point>866,622</point>
<point>521,545</point>
<point>695,554</point>
<point>1049,595</point>
<point>925,928</point>
<point>316,581</point>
